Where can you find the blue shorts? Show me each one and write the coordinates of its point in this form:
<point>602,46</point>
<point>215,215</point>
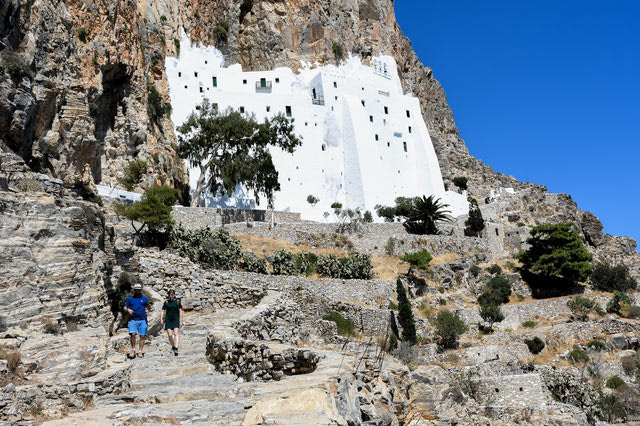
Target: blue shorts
<point>138,327</point>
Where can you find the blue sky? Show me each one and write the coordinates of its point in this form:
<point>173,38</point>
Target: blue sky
<point>548,92</point>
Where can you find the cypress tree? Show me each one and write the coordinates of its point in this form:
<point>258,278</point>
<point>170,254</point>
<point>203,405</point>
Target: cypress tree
<point>405,316</point>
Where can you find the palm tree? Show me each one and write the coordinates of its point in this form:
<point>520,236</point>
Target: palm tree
<point>424,215</point>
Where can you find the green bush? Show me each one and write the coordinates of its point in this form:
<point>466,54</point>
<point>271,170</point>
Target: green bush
<point>475,270</point>
<point>306,263</point>
<point>133,174</point>
<point>614,382</point>
<point>595,344</point>
<point>529,324</point>
<point>610,408</point>
<point>491,314</point>
<point>619,304</point>
<point>176,42</point>
<point>418,260</point>
<point>393,341</point>
<point>612,278</point>
<point>345,326</point>
<point>312,200</point>
<point>578,356</point>
<point>338,51</point>
<point>581,307</point>
<point>252,263</point>
<point>494,269</point>
<point>475,222</point>
<point>535,345</point>
<point>283,263</point>
<point>448,327</point>
<point>329,266</point>
<point>221,32</point>
<point>336,205</point>
<point>219,250</point>
<point>82,34</point>
<point>355,266</point>
<point>405,314</point>
<point>460,182</point>
<point>156,107</point>
<point>496,292</point>
<point>367,217</point>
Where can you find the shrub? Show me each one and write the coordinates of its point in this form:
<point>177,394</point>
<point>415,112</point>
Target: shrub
<point>336,205</point>
<point>176,42</point>
<point>14,65</point>
<point>82,34</point>
<point>442,301</point>
<point>475,222</point>
<point>448,327</point>
<point>460,182</point>
<point>610,408</point>
<point>405,314</point>
<point>338,51</point>
<point>418,260</point>
<point>306,263</point>
<point>628,365</point>
<point>219,250</point>
<point>252,263</point>
<point>475,270</point>
<point>529,324</point>
<point>595,344</point>
<point>133,174</point>
<point>535,345</point>
<point>156,107</point>
<point>312,200</point>
<point>51,326</point>
<point>329,266</point>
<point>390,247</point>
<point>619,303</point>
<point>614,382</point>
<point>612,278</point>
<point>14,359</point>
<point>221,32</point>
<point>491,314</point>
<point>497,291</point>
<point>577,356</point>
<point>356,266</point>
<point>283,263</point>
<point>367,217</point>
<point>494,269</point>
<point>345,326</point>
<point>393,306</point>
<point>581,307</point>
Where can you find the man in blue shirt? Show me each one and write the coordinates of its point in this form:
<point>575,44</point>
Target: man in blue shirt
<point>136,306</point>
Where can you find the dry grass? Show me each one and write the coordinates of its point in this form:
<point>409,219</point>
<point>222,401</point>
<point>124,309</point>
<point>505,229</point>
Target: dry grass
<point>263,247</point>
<point>388,267</point>
<point>445,258</point>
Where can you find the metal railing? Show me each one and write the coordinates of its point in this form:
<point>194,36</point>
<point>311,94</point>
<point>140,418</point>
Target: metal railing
<point>263,86</point>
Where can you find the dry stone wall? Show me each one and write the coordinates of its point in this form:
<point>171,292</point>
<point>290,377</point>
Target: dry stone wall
<point>203,217</point>
<point>513,391</point>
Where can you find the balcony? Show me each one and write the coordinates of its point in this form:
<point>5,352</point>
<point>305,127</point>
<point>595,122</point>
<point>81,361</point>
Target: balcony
<point>317,101</point>
<point>263,86</point>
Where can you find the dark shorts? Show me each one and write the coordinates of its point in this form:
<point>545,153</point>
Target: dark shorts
<point>170,325</point>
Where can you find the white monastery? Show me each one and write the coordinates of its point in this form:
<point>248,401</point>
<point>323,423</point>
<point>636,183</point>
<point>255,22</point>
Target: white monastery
<point>364,142</point>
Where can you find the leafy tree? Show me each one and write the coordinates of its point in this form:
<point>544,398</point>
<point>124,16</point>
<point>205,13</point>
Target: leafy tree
<point>367,217</point>
<point>133,174</point>
<point>619,304</point>
<point>535,345</point>
<point>494,269</point>
<point>582,307</point>
<point>338,51</point>
<point>556,250</point>
<point>475,223</point>
<point>449,327</point>
<point>460,182</point>
<point>418,260</point>
<point>221,32</point>
<point>233,149</point>
<point>152,211</point>
<point>312,200</point>
<point>496,292</point>
<point>491,314</point>
<point>612,278</point>
<point>425,213</point>
<point>156,107</point>
<point>405,315</point>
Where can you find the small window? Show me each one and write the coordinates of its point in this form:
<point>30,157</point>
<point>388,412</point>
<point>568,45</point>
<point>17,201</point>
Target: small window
<point>244,81</point>
<point>409,129</point>
<point>206,62</point>
<point>201,90</point>
<point>408,114</point>
<point>497,231</point>
<point>179,74</point>
<point>371,118</point>
<point>497,390</point>
<point>332,108</point>
<point>335,84</point>
<point>289,179</point>
<point>277,80</point>
<point>324,148</point>
<point>263,82</point>
<point>335,97</point>
<point>268,108</point>
<point>362,102</point>
<point>215,81</point>
<point>520,389</point>
<point>306,123</point>
<point>377,138</point>
<point>384,121</point>
<point>386,110</point>
<point>404,145</point>
<point>242,110</point>
<point>388,144</point>
<point>195,73</point>
<point>185,86</point>
<point>287,110</point>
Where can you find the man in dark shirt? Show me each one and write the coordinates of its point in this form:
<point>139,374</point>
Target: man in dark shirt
<point>136,306</point>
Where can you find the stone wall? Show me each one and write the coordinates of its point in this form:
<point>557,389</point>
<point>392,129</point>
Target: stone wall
<point>202,217</point>
<point>502,353</point>
<point>513,391</point>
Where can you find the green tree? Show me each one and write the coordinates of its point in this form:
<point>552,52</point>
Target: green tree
<point>232,149</point>
<point>133,174</point>
<point>612,278</point>
<point>619,304</point>
<point>425,214</point>
<point>496,292</point>
<point>156,107</point>
<point>475,223</point>
<point>491,314</point>
<point>221,32</point>
<point>556,250</point>
<point>449,327</point>
<point>152,211</point>
<point>338,51</point>
<point>312,200</point>
<point>405,315</point>
<point>582,307</point>
<point>460,182</point>
<point>418,260</point>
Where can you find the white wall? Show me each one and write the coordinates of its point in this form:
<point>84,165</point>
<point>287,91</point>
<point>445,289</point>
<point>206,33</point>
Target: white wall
<point>340,158</point>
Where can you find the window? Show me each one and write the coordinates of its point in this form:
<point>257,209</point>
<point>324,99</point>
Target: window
<point>384,121</point>
<point>277,80</point>
<point>215,81</point>
<point>201,89</point>
<point>268,108</point>
<point>206,62</point>
<point>377,137</point>
<point>371,118</point>
<point>324,148</point>
<point>179,74</point>
<point>404,145</point>
<point>244,81</point>
<point>408,114</point>
<point>362,102</point>
<point>306,123</point>
<point>386,110</point>
<point>409,129</point>
<point>242,110</point>
<point>335,85</point>
<point>195,73</point>
<point>185,86</point>
<point>388,144</point>
<point>287,110</point>
<point>335,97</point>
<point>263,82</point>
